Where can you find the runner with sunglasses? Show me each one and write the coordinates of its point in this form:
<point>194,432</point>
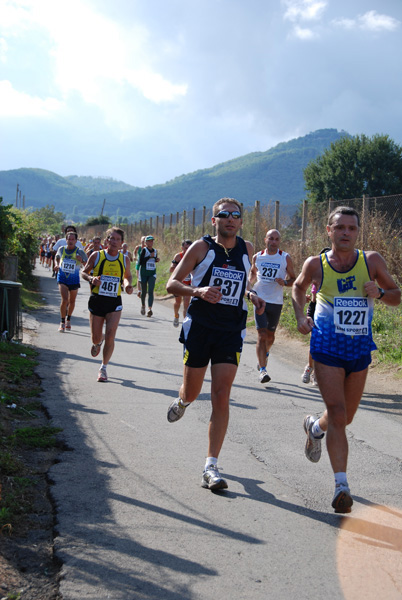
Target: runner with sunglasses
<point>214,328</point>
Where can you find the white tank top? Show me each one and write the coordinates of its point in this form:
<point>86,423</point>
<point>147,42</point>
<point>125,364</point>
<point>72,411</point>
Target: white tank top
<point>269,268</point>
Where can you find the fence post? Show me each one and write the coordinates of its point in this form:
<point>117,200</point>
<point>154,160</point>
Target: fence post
<point>163,228</point>
<point>157,225</point>
<point>304,227</point>
<point>331,205</point>
<point>256,222</point>
<point>193,227</point>
<point>184,225</point>
<point>203,220</point>
<point>364,219</point>
<point>276,219</point>
<point>171,221</point>
<point>150,225</point>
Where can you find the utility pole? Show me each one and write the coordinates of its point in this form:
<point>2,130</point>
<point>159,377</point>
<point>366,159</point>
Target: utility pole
<point>16,198</point>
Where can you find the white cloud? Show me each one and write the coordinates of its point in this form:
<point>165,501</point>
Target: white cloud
<point>303,34</point>
<point>305,10</point>
<point>154,86</point>
<point>94,56</point>
<point>19,104</point>
<point>376,22</point>
<point>370,21</point>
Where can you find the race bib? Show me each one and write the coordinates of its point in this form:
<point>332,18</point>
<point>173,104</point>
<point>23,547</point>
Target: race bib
<point>231,284</point>
<point>68,266</point>
<point>268,271</point>
<point>151,266</point>
<point>351,316</point>
<point>109,286</point>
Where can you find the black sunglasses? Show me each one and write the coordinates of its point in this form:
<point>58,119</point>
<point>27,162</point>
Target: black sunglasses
<point>225,214</point>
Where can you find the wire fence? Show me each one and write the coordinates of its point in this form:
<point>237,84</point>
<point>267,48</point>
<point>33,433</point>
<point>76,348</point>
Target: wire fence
<point>295,221</point>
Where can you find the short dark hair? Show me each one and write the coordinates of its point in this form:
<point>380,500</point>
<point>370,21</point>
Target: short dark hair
<point>115,230</point>
<point>225,201</point>
<point>71,228</point>
<point>188,242</point>
<point>344,210</point>
<point>72,233</point>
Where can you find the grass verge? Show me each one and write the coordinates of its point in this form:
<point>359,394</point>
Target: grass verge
<point>23,431</point>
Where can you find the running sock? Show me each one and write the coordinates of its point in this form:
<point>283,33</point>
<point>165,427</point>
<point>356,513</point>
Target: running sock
<point>103,366</point>
<point>340,478</point>
<point>68,317</point>
<point>316,429</point>
<point>63,319</point>
<point>211,460</point>
<point>182,403</point>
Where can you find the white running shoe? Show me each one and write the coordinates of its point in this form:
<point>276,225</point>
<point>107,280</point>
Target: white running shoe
<point>176,410</point>
<point>102,375</point>
<point>313,380</point>
<point>307,373</point>
<point>264,377</point>
<point>312,449</point>
<point>342,501</point>
<point>212,480</point>
<point>176,322</point>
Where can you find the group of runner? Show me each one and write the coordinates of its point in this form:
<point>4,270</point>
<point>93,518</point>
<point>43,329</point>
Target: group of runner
<point>224,269</point>
<point>214,275</point>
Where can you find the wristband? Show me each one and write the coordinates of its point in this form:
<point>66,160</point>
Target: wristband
<point>381,292</point>
<point>249,292</point>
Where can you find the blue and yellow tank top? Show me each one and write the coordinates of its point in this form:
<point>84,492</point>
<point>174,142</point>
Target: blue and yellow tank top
<point>344,312</point>
<point>69,272</point>
<point>111,271</point>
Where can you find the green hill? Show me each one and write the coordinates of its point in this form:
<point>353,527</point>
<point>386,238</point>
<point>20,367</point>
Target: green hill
<point>276,174</point>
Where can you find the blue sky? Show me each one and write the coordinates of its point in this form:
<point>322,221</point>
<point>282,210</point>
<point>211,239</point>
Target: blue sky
<point>147,90</point>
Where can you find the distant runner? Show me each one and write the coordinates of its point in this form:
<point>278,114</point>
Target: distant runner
<point>68,260</point>
<point>110,270</point>
<point>177,299</point>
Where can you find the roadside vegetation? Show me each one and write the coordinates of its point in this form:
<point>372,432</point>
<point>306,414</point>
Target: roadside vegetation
<point>23,431</point>
<point>382,236</point>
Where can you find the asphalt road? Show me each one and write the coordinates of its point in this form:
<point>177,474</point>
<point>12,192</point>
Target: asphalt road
<point>132,519</point>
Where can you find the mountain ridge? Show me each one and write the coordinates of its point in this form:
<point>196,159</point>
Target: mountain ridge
<point>274,174</point>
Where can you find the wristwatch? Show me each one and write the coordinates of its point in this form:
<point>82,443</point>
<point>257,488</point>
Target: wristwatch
<point>381,292</point>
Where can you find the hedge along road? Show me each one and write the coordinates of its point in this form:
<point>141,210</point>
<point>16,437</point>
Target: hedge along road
<point>132,519</point>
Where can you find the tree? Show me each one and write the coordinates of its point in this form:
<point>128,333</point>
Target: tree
<point>354,166</point>
<point>101,220</point>
<point>47,220</point>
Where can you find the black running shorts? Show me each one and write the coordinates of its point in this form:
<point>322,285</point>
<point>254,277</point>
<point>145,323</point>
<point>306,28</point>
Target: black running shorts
<point>202,345</point>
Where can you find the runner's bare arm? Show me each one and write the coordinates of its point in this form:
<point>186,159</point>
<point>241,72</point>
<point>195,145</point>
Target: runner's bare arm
<point>86,271</point>
<point>290,272</point>
<point>175,262</point>
<point>258,302</point>
<point>128,279</point>
<point>252,276</point>
<point>194,255</point>
<point>379,272</point>
<point>300,286</point>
